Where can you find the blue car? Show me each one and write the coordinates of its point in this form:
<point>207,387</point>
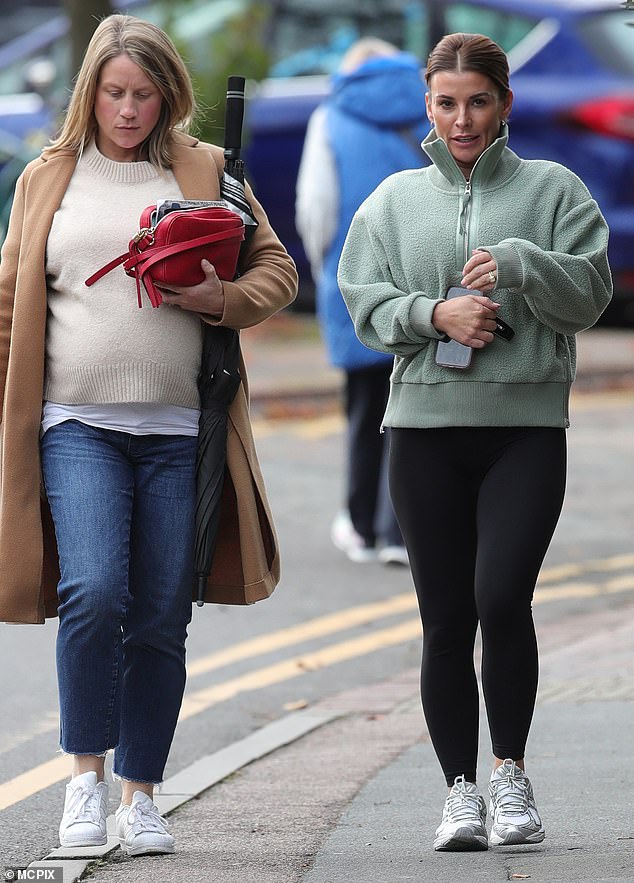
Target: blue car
<point>572,69</point>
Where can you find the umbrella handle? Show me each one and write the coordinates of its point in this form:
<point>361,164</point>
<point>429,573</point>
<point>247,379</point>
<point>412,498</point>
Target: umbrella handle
<point>201,586</point>
<point>234,114</point>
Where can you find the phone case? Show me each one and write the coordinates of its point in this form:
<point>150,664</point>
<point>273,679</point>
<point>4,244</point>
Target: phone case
<point>450,353</point>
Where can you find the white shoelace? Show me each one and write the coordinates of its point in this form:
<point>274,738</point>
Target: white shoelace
<point>145,817</point>
<point>463,805</point>
<point>510,793</point>
<point>84,805</point>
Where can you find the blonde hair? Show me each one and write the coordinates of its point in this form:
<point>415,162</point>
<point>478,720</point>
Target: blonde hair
<point>152,50</point>
<point>363,50</point>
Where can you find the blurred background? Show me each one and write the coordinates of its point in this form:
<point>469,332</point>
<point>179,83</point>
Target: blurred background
<point>572,67</point>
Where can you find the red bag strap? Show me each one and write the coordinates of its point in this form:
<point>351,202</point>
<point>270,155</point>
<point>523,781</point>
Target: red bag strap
<point>153,255</point>
<point>140,264</point>
<point>107,268</point>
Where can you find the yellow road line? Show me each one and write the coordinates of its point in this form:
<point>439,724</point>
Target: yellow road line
<point>559,572</point>
<point>201,700</point>
<point>34,780</point>
<point>310,429</point>
<point>322,427</point>
<point>287,637</point>
<point>304,631</point>
<point>620,584</point>
<point>584,590</point>
<point>565,571</point>
<point>588,400</point>
<point>616,562</point>
<point>365,613</point>
<point>569,590</point>
<point>360,615</point>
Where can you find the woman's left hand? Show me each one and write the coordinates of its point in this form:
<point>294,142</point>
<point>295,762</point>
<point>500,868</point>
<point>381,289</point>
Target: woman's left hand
<point>480,272</point>
<point>207,297</point>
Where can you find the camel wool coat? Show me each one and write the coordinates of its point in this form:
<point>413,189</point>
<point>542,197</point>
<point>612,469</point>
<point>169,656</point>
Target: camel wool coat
<point>246,566</point>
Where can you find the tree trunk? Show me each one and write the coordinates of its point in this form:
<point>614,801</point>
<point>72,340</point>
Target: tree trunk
<point>84,17</point>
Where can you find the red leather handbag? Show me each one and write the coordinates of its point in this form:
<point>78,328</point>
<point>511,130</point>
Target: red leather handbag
<point>169,251</point>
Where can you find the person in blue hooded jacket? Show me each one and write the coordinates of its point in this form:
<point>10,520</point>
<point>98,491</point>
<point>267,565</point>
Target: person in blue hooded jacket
<point>369,127</point>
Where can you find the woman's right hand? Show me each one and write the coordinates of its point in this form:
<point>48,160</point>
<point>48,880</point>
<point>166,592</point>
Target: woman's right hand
<point>469,319</point>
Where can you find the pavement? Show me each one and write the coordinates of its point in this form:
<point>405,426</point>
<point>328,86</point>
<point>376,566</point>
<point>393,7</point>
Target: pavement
<point>349,789</point>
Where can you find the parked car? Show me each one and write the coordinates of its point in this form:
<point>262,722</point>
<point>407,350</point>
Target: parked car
<point>572,65</point>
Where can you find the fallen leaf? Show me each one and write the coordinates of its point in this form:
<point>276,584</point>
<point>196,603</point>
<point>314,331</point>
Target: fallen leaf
<point>520,876</point>
<point>295,706</point>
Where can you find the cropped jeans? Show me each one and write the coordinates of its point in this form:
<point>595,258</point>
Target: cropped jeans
<point>123,509</point>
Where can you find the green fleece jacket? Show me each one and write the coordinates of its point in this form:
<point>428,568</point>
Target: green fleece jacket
<point>407,245</point>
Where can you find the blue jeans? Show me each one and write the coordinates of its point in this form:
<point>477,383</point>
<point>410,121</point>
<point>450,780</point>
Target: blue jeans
<point>123,508</point>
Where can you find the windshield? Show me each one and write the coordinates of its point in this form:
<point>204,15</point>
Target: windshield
<point>310,37</point>
<point>610,36</point>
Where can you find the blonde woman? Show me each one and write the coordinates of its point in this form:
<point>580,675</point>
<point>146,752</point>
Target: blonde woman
<point>112,390</point>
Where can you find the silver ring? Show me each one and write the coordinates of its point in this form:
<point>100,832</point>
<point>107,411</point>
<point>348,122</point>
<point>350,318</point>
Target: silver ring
<point>492,277</point>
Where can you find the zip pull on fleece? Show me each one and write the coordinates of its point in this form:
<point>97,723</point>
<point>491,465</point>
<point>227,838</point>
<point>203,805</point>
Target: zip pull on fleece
<point>466,197</point>
<point>464,220</point>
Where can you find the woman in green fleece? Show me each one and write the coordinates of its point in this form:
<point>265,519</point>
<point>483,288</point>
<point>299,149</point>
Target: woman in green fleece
<point>478,456</point>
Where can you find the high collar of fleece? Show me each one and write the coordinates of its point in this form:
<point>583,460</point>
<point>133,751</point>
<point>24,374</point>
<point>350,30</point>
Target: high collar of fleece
<point>448,173</point>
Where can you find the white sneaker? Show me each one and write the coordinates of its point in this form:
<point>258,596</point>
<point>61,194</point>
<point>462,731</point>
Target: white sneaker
<point>346,538</point>
<point>463,825</point>
<point>85,811</point>
<point>141,829</point>
<point>394,555</point>
<point>515,816</point>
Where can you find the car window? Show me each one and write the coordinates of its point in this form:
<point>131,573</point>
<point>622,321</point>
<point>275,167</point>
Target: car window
<point>17,19</point>
<point>610,37</point>
<point>506,28</point>
<point>311,36</point>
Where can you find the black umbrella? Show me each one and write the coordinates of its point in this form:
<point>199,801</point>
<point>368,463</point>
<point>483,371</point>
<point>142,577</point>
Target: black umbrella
<point>232,184</point>
<point>219,378</point>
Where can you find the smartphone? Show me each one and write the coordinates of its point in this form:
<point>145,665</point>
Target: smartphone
<point>450,353</point>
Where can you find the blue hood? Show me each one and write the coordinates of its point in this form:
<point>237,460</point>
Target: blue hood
<point>386,92</point>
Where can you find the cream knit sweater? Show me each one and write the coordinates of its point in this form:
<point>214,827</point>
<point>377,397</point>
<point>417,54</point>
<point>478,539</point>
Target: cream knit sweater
<point>100,347</point>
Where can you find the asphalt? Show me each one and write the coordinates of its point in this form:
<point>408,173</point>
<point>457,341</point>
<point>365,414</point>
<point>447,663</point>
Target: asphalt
<point>349,791</point>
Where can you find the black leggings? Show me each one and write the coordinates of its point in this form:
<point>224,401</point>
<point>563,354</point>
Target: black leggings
<point>477,508</point>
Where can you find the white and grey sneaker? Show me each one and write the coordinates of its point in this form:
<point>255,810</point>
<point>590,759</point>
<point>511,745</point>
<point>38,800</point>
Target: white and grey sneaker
<point>394,555</point>
<point>85,811</point>
<point>463,819</point>
<point>141,829</point>
<point>515,816</point>
<point>346,538</point>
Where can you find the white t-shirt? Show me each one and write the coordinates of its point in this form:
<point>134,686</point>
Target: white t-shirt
<point>137,418</point>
